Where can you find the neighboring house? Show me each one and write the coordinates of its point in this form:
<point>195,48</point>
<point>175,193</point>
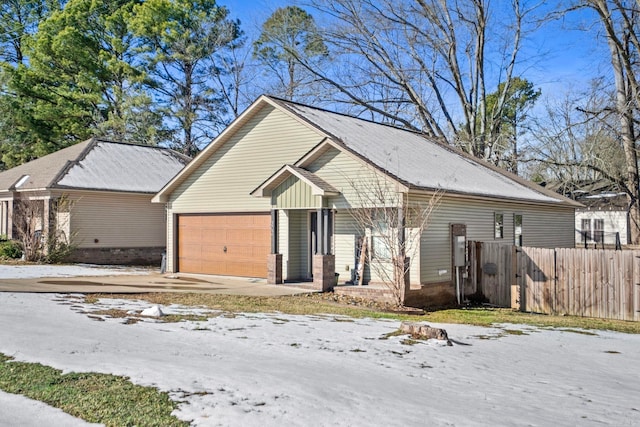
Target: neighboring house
<point>274,195</point>
<point>95,194</point>
<point>603,219</point>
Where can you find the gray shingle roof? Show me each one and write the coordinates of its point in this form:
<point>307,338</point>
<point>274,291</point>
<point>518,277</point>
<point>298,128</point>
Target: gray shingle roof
<point>416,160</point>
<point>315,180</point>
<point>99,165</point>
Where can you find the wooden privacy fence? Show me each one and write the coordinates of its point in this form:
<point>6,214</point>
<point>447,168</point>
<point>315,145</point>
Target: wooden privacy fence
<point>579,282</point>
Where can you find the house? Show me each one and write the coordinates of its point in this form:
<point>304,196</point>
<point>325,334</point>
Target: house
<point>97,196</point>
<point>603,219</point>
<point>274,196</point>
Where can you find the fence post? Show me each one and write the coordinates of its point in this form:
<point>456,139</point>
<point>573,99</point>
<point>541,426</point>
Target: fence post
<point>479,288</point>
<point>513,280</point>
<point>554,299</point>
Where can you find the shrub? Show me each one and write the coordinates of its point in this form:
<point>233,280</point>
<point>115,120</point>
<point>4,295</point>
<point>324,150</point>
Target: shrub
<point>57,249</point>
<point>10,249</point>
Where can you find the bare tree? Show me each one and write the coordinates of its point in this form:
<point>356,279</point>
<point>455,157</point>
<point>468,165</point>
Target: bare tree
<point>427,65</point>
<point>577,143</point>
<point>620,21</point>
<point>393,224</point>
<point>43,237</point>
<point>28,223</point>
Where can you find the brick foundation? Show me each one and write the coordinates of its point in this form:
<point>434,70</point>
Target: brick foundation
<point>377,294</point>
<point>435,295</point>
<point>118,256</point>
<point>429,295</point>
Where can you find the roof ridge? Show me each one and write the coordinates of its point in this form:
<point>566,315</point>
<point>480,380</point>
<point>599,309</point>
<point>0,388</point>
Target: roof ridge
<point>325,110</point>
<point>70,163</point>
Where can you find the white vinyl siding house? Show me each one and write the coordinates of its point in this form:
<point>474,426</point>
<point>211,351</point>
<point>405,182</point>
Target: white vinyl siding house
<point>594,227</point>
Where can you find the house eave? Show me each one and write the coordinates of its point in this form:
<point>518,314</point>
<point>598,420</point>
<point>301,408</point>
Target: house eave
<point>481,197</point>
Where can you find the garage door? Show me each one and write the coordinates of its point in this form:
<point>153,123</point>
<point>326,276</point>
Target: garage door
<point>225,244</point>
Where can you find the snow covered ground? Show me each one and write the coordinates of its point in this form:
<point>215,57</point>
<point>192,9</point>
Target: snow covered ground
<point>275,369</point>
<point>47,270</point>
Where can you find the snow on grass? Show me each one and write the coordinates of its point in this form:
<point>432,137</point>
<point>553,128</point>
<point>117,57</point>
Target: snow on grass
<point>276,369</point>
<point>16,410</point>
<point>44,270</point>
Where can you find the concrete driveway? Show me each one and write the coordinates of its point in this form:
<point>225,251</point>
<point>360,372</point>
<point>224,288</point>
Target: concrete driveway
<point>81,279</point>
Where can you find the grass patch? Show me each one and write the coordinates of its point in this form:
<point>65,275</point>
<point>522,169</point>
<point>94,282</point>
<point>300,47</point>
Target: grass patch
<point>96,398</point>
<point>577,331</point>
<point>314,304</point>
<point>515,332</point>
<point>132,318</point>
<point>482,316</point>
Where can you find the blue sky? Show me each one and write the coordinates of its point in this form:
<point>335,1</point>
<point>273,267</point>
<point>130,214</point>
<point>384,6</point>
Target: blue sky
<point>564,55</point>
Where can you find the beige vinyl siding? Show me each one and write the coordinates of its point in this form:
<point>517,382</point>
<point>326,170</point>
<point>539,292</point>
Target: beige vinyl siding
<point>171,235</point>
<point>223,183</point>
<point>352,179</point>
<point>345,238</point>
<point>259,148</point>
<point>297,262</point>
<point>295,193</point>
<point>349,176</point>
<point>283,241</point>
<point>116,220</point>
<point>541,227</point>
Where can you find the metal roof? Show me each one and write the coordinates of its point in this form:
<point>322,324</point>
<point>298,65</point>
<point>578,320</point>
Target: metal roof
<point>418,161</point>
<point>98,165</point>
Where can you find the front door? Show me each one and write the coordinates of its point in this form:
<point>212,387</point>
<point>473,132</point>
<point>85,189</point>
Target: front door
<point>317,239</point>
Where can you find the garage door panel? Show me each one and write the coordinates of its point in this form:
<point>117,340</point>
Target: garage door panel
<point>213,235</point>
<point>203,238</point>
<point>214,267</point>
<point>189,264</point>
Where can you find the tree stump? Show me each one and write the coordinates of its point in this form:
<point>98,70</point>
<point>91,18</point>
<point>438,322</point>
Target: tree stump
<point>421,331</point>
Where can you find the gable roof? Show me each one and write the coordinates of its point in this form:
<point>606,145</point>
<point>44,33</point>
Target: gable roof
<point>419,162</point>
<point>97,164</point>
<point>318,186</point>
<point>410,158</point>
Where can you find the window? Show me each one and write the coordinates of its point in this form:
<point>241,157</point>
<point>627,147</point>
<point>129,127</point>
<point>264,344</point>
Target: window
<point>598,230</point>
<point>498,219</point>
<point>381,239</point>
<point>4,218</point>
<point>517,229</point>
<point>585,230</point>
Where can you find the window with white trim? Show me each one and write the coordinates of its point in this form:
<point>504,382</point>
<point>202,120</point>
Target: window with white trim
<point>517,229</point>
<point>498,220</point>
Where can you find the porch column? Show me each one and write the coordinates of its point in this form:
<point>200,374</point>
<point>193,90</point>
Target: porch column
<point>325,232</point>
<point>46,222</point>
<point>274,261</point>
<point>274,231</point>
<point>324,278</point>
<point>319,233</point>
